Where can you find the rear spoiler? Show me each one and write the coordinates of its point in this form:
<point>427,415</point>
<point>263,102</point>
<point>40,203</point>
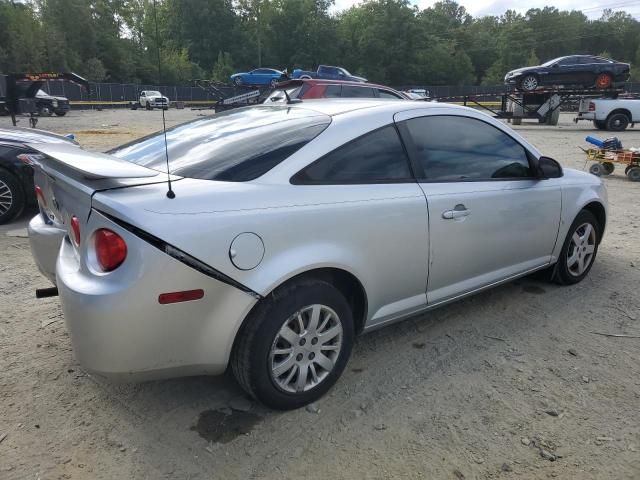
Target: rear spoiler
<point>90,165</point>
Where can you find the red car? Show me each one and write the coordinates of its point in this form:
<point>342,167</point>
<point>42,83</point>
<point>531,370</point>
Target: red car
<point>306,89</point>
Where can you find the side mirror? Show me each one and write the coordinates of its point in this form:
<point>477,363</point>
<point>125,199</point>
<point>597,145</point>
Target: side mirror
<point>549,168</point>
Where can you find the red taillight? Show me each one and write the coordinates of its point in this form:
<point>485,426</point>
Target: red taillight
<point>75,229</point>
<point>184,296</point>
<point>111,249</point>
<point>40,196</point>
<point>592,107</point>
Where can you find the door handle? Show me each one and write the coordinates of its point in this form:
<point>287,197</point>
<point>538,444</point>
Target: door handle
<point>459,211</point>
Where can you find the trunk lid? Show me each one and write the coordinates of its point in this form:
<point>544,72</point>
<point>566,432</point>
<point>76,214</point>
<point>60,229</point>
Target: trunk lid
<point>66,177</point>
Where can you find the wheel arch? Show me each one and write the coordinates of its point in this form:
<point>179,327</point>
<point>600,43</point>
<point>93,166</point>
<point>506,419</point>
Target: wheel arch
<point>346,282</point>
<point>598,211</point>
<point>620,110</point>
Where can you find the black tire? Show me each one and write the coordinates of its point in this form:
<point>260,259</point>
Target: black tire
<point>600,124</point>
<point>237,81</point>
<point>250,358</point>
<point>44,111</point>
<point>563,275</point>
<point>634,174</point>
<point>11,195</point>
<point>148,106</point>
<point>273,83</point>
<point>617,122</point>
<point>60,113</point>
<point>609,167</point>
<point>596,169</point>
<point>529,83</point>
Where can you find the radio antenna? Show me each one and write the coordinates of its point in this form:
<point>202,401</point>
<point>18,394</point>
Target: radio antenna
<point>170,192</point>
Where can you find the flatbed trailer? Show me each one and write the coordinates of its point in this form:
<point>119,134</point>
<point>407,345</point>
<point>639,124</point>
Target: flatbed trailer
<point>231,96</point>
<point>543,105</point>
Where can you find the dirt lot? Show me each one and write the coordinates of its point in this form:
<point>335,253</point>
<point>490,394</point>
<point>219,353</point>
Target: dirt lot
<point>511,383</point>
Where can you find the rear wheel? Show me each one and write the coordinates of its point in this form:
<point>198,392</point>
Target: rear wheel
<point>529,83</point>
<point>12,199</point>
<point>237,81</point>
<point>634,174</point>
<point>579,249</point>
<point>603,81</point>
<point>61,113</point>
<point>45,111</point>
<point>617,122</point>
<point>608,168</point>
<point>294,345</point>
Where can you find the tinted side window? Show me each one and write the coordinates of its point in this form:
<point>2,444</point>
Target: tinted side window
<point>453,148</point>
<point>351,91</point>
<point>568,61</point>
<point>333,91</point>
<point>376,157</point>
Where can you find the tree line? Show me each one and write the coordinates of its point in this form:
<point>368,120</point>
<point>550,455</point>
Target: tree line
<point>388,41</point>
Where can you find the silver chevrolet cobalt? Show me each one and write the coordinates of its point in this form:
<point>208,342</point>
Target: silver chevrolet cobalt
<point>294,228</point>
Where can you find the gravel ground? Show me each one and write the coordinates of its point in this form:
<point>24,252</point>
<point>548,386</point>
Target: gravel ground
<point>511,383</point>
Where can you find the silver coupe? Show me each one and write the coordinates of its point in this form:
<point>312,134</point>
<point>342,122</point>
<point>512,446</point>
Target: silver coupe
<point>294,228</point>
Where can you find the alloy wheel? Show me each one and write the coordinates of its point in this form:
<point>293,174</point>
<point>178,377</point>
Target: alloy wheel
<point>529,83</point>
<point>581,249</point>
<point>6,198</point>
<point>306,348</point>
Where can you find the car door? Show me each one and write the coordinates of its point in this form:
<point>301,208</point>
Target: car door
<point>380,214</point>
<point>490,218</point>
<point>567,72</point>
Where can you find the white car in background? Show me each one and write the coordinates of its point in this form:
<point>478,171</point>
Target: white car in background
<point>294,228</point>
<point>151,99</point>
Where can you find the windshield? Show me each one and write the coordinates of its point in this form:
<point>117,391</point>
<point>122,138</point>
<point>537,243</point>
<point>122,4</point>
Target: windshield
<point>42,93</point>
<point>237,145</point>
<point>344,70</point>
<point>278,96</point>
<point>551,62</point>
<point>153,93</point>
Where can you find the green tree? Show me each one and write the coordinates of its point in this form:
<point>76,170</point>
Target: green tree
<point>223,68</point>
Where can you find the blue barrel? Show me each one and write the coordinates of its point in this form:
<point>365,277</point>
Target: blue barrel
<point>594,141</point>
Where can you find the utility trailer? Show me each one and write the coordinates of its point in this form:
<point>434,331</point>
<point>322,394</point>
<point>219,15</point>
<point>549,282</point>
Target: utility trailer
<point>228,97</point>
<point>543,105</point>
<point>18,92</point>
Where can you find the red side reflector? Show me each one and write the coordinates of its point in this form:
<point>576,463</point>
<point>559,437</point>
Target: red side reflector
<point>75,228</point>
<point>40,196</point>
<point>185,296</point>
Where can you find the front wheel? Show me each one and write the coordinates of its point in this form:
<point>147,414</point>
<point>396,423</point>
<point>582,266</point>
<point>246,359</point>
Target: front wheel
<point>237,81</point>
<point>529,83</point>
<point>61,113</point>
<point>634,174</point>
<point>579,249</point>
<point>294,345</point>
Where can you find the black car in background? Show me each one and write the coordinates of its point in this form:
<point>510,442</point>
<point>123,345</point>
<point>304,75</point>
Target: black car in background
<point>585,71</point>
<point>16,177</point>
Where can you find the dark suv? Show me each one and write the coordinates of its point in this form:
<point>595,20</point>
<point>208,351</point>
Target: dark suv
<point>48,105</point>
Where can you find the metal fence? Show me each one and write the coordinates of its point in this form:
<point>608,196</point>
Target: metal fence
<point>121,94</point>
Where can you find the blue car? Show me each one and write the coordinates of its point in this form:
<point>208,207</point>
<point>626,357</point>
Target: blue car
<point>259,76</point>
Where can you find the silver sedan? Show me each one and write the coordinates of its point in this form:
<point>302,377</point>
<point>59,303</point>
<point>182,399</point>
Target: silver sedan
<point>288,230</point>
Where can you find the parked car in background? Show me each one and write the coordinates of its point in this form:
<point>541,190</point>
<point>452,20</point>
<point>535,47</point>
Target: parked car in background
<point>294,228</point>
<point>418,93</point>
<point>47,104</point>
<point>151,99</point>
<point>16,177</point>
<point>614,114</point>
<point>327,72</point>
<point>586,71</point>
<point>258,77</point>
<point>305,89</point>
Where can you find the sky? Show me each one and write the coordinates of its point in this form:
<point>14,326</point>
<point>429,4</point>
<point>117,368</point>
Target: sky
<point>591,8</point>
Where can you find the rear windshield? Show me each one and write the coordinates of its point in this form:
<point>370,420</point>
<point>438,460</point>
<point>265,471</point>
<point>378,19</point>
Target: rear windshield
<point>236,146</point>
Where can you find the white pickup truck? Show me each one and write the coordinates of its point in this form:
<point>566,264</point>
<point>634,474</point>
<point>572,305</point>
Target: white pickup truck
<point>614,114</point>
<point>151,99</point>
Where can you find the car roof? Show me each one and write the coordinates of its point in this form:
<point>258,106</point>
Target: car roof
<point>339,106</point>
<point>20,136</point>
